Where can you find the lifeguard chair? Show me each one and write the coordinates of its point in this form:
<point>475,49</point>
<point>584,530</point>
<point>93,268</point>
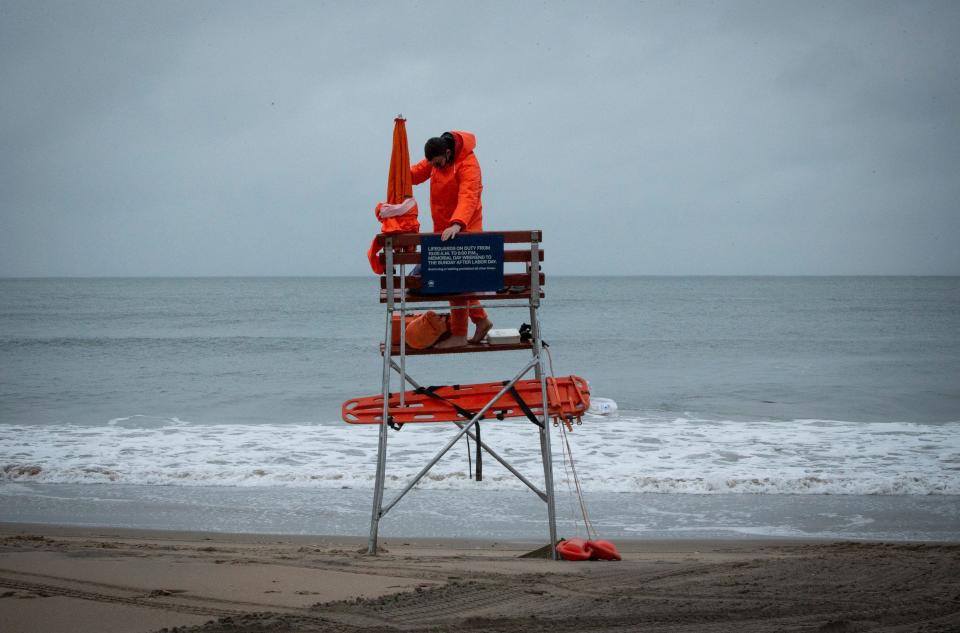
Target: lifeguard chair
<point>538,399</point>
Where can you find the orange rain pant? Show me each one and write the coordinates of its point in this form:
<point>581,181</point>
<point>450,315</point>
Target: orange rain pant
<point>458,318</point>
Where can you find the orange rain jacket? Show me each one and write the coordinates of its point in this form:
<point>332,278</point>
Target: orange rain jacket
<point>454,189</point>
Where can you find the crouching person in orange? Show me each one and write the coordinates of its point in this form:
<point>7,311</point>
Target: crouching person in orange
<point>455,187</point>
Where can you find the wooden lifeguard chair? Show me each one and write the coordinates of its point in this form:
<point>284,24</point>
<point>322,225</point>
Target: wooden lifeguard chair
<point>523,289</point>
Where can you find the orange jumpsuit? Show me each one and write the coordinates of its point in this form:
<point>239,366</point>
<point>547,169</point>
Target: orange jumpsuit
<point>455,198</point>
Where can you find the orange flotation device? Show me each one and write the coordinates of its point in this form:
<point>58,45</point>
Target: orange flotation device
<point>426,329</point>
<point>569,398</point>
<point>574,549</point>
<point>407,223</point>
<point>580,549</point>
<point>604,550</point>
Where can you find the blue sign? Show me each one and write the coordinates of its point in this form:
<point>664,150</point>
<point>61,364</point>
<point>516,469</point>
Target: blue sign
<point>465,263</point>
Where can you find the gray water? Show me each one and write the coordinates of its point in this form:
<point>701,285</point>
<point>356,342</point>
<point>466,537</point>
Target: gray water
<point>94,371</point>
<point>85,351</point>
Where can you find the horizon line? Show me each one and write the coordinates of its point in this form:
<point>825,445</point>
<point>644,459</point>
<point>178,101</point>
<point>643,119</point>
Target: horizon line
<point>557,275</point>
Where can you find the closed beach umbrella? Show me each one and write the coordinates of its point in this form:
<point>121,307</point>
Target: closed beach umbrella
<point>399,213</point>
<point>399,183</point>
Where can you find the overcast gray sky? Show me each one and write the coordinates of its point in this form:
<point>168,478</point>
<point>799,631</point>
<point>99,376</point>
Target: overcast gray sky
<point>253,138</point>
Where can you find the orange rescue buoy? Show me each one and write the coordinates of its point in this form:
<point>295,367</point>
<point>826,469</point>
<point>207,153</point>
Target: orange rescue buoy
<point>580,549</point>
<point>574,549</point>
<point>604,550</point>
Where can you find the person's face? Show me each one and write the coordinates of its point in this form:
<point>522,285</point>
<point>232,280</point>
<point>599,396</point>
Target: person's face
<point>441,161</point>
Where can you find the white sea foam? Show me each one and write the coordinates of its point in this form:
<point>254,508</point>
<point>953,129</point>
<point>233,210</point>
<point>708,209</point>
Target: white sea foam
<point>617,454</point>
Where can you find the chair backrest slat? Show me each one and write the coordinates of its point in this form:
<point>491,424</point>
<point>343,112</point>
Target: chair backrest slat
<point>405,240</point>
<point>414,258</point>
<point>511,280</point>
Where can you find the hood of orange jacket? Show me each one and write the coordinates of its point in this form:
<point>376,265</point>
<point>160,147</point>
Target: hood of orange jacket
<point>463,144</point>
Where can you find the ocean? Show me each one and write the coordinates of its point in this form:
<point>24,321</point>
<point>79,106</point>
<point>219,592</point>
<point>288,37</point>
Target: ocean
<point>748,407</point>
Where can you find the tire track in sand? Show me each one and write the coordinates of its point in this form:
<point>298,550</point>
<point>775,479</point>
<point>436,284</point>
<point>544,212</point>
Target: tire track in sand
<point>45,590</point>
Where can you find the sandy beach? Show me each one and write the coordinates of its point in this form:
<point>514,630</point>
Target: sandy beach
<point>56,578</point>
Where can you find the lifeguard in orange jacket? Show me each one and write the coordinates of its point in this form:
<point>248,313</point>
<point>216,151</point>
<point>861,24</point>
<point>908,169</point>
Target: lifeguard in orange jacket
<point>455,187</point>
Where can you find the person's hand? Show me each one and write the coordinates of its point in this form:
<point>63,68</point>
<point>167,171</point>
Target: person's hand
<point>449,232</point>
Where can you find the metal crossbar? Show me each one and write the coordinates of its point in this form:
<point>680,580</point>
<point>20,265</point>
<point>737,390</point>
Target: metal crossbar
<point>476,417</point>
<point>483,445</point>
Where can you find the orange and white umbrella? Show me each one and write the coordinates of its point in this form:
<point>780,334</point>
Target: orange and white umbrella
<point>399,213</point>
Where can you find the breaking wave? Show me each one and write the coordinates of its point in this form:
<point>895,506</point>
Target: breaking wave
<point>617,454</point>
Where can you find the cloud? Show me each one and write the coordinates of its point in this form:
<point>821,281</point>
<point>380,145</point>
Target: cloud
<point>245,139</point>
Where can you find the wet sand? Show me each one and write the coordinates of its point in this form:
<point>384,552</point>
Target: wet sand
<point>56,578</point>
